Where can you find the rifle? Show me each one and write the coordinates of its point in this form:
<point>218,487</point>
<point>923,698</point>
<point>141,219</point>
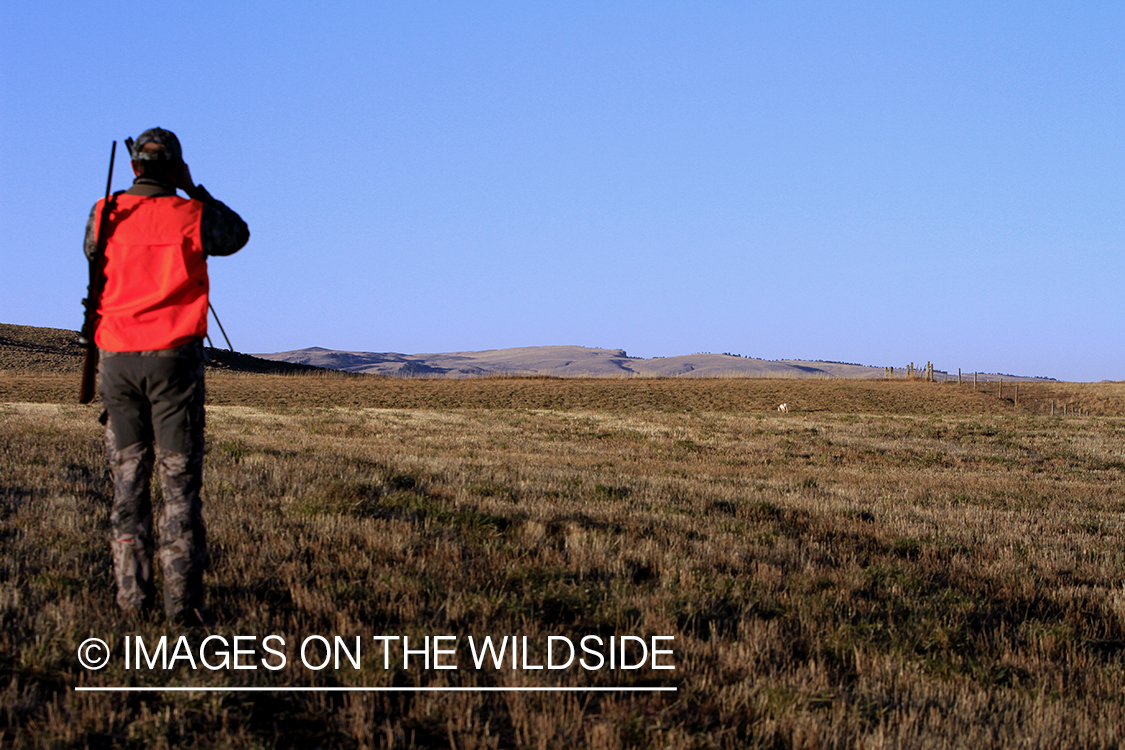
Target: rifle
<point>94,293</point>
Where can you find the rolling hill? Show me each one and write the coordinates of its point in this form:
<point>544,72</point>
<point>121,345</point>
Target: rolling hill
<point>580,361</point>
<point>37,349</point>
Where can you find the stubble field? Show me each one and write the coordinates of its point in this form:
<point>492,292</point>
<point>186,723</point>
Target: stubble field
<point>892,564</point>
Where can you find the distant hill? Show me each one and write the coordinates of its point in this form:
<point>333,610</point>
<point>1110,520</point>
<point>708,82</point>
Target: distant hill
<point>579,361</point>
<point>30,349</point>
<point>563,361</point>
<point>33,349</point>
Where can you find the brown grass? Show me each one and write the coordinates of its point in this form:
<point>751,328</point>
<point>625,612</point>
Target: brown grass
<point>728,395</point>
<point>893,565</point>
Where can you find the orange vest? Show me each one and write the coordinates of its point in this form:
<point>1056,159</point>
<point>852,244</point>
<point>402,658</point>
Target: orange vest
<point>156,284</point>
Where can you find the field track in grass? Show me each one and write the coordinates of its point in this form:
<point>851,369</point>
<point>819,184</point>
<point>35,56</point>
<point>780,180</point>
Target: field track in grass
<point>727,395</point>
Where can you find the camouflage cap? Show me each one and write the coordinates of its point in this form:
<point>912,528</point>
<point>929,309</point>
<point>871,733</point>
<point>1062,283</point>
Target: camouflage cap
<point>166,139</point>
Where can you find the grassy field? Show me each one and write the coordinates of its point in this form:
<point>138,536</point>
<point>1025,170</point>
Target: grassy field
<point>892,564</point>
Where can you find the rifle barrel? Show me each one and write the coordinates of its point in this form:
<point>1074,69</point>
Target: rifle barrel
<point>93,295</point>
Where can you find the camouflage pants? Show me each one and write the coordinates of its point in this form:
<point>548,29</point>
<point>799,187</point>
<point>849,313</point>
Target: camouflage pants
<point>154,408</point>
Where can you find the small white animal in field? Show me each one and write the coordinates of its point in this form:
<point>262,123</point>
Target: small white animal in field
<point>783,408</point>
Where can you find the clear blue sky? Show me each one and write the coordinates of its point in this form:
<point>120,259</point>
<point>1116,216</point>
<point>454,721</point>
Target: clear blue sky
<point>878,182</point>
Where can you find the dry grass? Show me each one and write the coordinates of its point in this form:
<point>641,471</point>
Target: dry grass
<point>733,395</point>
<point>895,565</point>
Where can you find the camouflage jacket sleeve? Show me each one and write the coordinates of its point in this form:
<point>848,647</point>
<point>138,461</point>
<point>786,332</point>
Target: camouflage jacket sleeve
<point>223,232</point>
<point>91,234</point>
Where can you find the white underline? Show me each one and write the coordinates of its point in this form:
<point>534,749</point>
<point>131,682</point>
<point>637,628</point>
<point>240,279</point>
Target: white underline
<point>376,689</point>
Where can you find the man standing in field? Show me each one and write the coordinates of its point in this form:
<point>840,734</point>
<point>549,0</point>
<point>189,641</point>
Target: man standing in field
<point>153,318</point>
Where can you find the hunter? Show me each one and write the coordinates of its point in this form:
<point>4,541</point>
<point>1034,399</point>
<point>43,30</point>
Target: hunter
<point>152,319</point>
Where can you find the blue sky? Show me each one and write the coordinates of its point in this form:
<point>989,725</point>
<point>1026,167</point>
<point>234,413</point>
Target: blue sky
<point>876,183</point>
